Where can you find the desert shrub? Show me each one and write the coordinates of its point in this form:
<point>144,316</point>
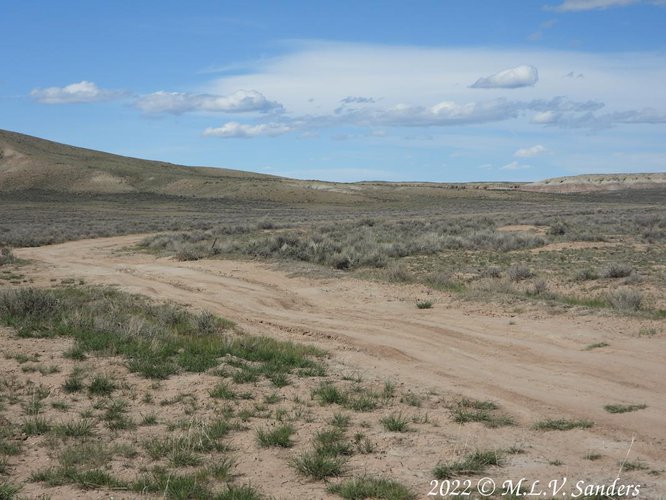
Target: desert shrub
<point>352,245</point>
<point>27,305</point>
<point>557,228</point>
<point>625,299</point>
<point>492,272</point>
<point>397,273</point>
<point>586,275</point>
<point>539,287</point>
<point>6,256</point>
<point>616,270</point>
<point>443,281</point>
<point>518,272</point>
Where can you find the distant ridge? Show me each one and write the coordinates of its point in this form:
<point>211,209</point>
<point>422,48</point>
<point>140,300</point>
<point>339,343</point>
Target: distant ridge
<point>598,182</point>
<point>31,163</point>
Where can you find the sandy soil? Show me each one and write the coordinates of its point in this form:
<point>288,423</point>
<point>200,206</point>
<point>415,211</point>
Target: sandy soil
<point>535,365</point>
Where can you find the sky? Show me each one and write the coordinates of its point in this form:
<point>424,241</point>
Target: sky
<point>426,90</point>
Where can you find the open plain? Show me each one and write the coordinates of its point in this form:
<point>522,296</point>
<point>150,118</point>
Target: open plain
<point>377,341</point>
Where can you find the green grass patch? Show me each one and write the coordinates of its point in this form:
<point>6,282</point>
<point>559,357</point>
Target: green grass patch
<point>174,486</point>
<point>329,394</point>
<point>562,424</point>
<point>84,427</point>
<point>476,462</point>
<point>395,422</point>
<point>598,345</point>
<point>223,391</point>
<point>36,426</point>
<point>8,490</point>
<point>101,385</point>
<point>371,487</point>
<point>332,443</point>
<point>485,412</point>
<point>634,466</point>
<point>157,340</point>
<point>279,436</point>
<point>624,408</point>
<point>84,479</point>
<point>318,466</point>
<point>242,492</point>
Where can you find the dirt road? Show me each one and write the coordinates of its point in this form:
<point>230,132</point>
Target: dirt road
<point>534,365</point>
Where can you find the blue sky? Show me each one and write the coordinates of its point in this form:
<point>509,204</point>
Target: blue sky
<point>442,90</point>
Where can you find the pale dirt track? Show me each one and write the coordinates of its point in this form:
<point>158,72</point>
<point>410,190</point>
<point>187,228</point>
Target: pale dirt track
<point>534,365</point>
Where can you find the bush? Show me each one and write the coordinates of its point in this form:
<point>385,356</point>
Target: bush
<point>558,228</point>
<point>6,256</point>
<point>492,272</point>
<point>27,305</point>
<point>625,299</point>
<point>518,272</point>
<point>586,275</point>
<point>540,288</point>
<point>617,271</point>
<point>397,273</point>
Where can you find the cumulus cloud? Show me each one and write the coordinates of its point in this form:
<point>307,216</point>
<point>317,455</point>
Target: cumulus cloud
<point>314,76</point>
<point>235,130</point>
<point>80,92</point>
<point>557,112</point>
<point>240,101</point>
<point>582,5</point>
<point>512,78</point>
<point>530,152</point>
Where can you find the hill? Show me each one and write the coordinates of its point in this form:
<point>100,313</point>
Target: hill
<point>31,163</point>
<point>598,182</point>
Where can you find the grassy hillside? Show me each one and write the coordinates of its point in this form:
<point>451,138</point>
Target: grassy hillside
<point>30,163</point>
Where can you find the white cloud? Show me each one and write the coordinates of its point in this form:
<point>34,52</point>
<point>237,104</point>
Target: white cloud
<point>80,92</point>
<point>592,120</point>
<point>240,101</point>
<point>312,78</point>
<point>514,165</point>
<point>530,152</point>
<point>243,131</point>
<point>357,100</point>
<point>582,5</point>
<point>328,85</point>
<point>557,112</point>
<point>512,78</point>
<point>545,117</point>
